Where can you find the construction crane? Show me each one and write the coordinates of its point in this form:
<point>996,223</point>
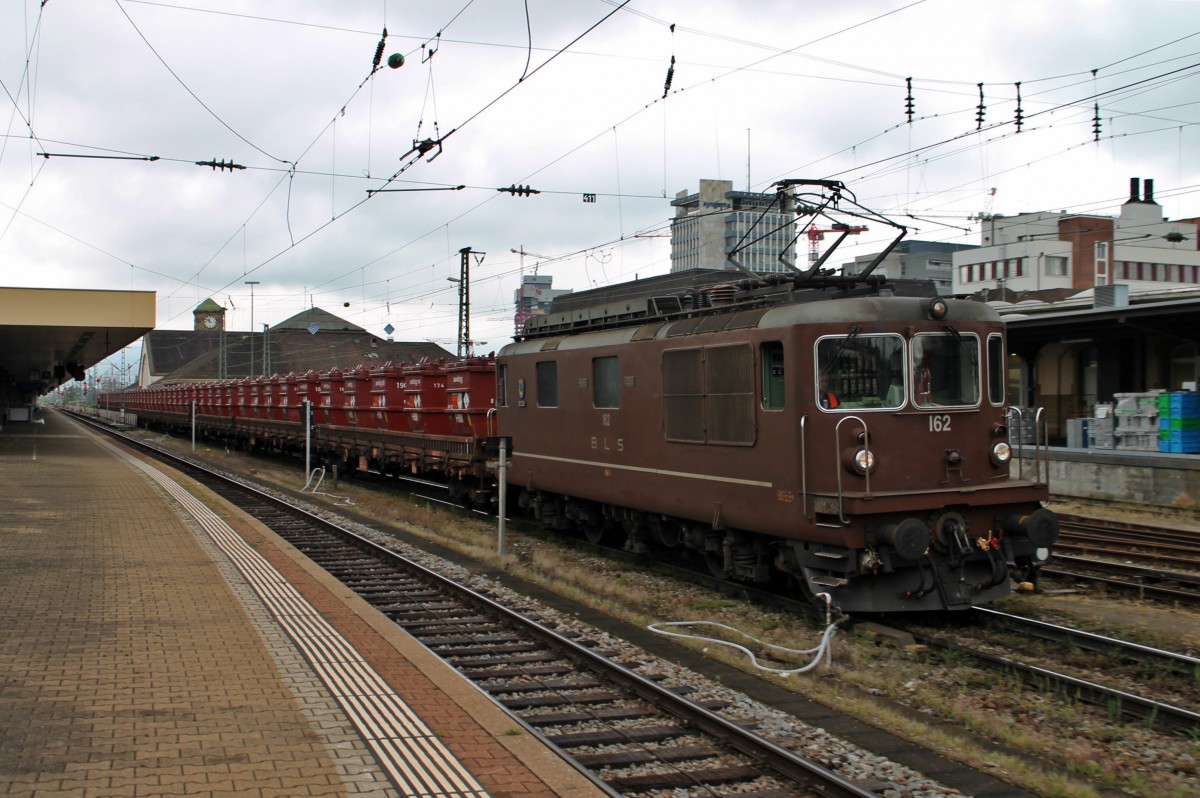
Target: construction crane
<point>817,234</point>
<point>523,252</point>
<point>522,305</point>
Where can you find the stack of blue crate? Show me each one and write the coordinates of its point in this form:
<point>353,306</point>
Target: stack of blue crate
<point>1179,422</point>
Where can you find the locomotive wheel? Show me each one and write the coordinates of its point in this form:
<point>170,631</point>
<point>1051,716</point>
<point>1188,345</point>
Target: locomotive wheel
<point>715,561</point>
<point>594,533</point>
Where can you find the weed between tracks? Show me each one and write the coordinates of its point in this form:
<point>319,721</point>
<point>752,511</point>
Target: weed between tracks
<point>1048,744</point>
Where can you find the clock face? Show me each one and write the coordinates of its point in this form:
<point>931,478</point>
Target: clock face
<point>210,321</point>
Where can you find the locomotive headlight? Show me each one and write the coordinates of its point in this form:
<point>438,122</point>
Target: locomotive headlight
<point>1001,453</point>
<point>938,308</point>
<point>858,460</point>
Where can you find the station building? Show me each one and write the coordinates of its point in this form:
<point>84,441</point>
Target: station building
<point>1058,254</point>
<point>1096,306</point>
<point>313,339</point>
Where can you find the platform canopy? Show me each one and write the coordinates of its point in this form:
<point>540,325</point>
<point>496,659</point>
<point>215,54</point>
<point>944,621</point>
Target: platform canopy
<point>49,336</point>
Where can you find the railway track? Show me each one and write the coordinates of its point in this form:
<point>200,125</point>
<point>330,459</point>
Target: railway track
<point>630,732</point>
<point>1122,704</point>
<point>1155,562</point>
<point>1179,669</point>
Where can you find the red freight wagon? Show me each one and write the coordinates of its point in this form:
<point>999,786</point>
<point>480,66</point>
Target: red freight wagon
<point>329,391</point>
<point>302,388</point>
<point>470,395</point>
<point>225,399</point>
<point>206,399</point>
<point>276,403</point>
<point>425,398</point>
<point>357,400</point>
<point>387,397</point>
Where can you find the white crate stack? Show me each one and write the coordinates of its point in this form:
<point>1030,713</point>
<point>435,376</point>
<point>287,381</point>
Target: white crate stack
<point>1136,417</point>
<point>1100,431</point>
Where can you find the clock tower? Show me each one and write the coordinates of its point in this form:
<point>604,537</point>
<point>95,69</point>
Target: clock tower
<point>209,316</point>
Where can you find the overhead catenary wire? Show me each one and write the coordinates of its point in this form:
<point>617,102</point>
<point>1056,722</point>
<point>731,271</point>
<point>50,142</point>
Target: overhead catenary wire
<point>622,193</point>
<point>294,241</point>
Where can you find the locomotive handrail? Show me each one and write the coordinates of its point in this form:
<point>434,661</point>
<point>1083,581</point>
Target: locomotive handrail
<point>837,461</point>
<point>1041,456</point>
<point>1041,447</point>
<point>491,413</point>
<point>1019,448</point>
<point>804,466</point>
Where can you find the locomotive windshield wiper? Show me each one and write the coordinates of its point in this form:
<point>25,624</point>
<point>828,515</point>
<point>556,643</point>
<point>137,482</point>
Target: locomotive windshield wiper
<point>845,342</point>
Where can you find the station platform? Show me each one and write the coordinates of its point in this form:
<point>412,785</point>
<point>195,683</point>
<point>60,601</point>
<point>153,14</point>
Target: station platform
<point>155,641</point>
<point>1155,479</point>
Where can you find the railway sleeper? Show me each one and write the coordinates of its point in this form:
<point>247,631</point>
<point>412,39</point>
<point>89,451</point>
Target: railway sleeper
<point>644,734</point>
<point>621,759</point>
<point>684,780</point>
<point>536,702</point>
<point>585,716</point>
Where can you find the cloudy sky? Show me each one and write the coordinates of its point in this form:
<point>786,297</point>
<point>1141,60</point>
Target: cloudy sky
<point>565,96</point>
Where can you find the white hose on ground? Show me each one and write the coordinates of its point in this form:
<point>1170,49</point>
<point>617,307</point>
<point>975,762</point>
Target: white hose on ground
<point>821,650</point>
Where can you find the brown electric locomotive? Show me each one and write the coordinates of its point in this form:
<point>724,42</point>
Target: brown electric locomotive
<point>855,441</point>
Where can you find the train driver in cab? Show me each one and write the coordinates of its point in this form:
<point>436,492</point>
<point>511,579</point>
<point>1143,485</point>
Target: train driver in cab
<point>828,398</point>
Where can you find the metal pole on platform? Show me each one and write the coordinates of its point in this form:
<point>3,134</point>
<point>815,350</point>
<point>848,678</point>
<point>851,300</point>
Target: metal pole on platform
<point>307,438</point>
<point>193,425</point>
<point>502,487</point>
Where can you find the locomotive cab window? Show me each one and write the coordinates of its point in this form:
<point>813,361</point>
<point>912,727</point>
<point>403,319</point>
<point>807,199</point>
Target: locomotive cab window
<point>606,382</point>
<point>502,385</point>
<point>996,369</point>
<point>856,372</point>
<point>945,370</point>
<point>547,384</point>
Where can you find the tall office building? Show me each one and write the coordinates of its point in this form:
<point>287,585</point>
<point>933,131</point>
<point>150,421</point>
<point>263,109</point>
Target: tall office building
<point>717,221</point>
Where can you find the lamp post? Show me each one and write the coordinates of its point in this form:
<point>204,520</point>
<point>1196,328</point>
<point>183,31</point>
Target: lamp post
<point>252,283</point>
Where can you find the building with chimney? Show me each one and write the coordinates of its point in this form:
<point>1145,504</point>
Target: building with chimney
<point>1060,254</point>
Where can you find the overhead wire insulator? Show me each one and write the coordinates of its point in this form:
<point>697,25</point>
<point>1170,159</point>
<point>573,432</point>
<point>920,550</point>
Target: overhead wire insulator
<point>909,105</point>
<point>519,191</point>
<point>1020,115</point>
<point>1096,122</point>
<point>670,77</point>
<point>980,110</point>
<point>379,51</point>
<point>221,164</point>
